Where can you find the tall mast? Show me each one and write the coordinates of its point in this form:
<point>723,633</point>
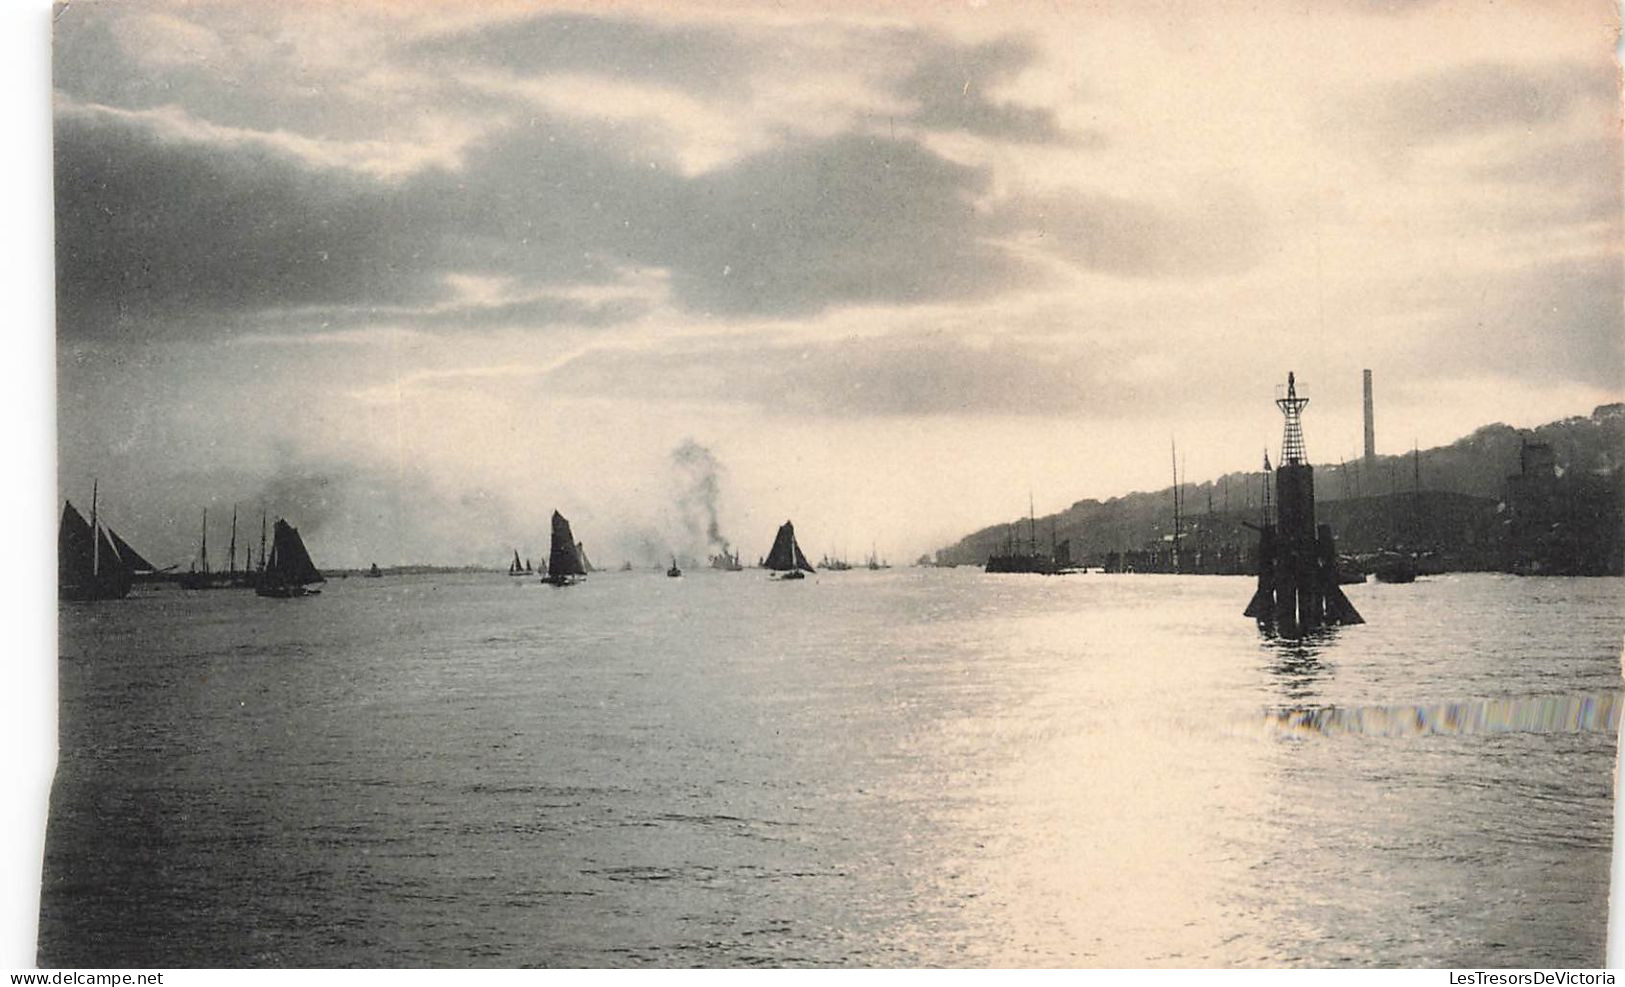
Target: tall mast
<point>95,535</point>
<point>262,539</point>
<point>1032,527</point>
<point>232,552</point>
<point>204,551</point>
<point>1416,454</point>
<point>1173,457</point>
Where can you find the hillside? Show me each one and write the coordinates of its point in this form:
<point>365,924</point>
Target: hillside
<point>1457,510</point>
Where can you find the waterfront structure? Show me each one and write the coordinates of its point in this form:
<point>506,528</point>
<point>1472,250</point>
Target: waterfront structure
<point>1297,559</point>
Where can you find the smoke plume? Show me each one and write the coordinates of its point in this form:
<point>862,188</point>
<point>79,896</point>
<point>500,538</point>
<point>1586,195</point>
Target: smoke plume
<point>699,489</point>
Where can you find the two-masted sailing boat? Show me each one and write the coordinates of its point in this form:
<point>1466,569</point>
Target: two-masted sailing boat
<point>786,555</point>
<point>93,562</point>
<point>288,570</point>
<point>515,569</point>
<point>201,575</point>
<point>564,563</point>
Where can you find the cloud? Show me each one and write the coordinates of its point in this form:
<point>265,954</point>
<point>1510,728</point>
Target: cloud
<point>695,57</point>
<point>1558,321</point>
<point>151,229</point>
<point>1213,231</point>
<point>951,83</point>
<point>1483,98</point>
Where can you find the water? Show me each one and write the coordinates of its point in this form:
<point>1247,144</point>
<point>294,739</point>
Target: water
<point>902,768</point>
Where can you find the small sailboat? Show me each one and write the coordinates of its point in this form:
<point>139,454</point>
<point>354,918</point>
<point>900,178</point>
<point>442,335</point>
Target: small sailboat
<point>674,572</point>
<point>288,570</point>
<point>514,568</point>
<point>586,564</point>
<point>564,563</point>
<point>786,556</point>
<point>93,562</point>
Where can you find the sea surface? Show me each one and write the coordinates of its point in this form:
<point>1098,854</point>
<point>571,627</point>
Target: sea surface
<point>911,767</point>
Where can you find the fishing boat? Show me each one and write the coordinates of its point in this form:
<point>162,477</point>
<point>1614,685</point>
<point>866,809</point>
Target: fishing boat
<point>674,572</point>
<point>374,572</point>
<point>586,564</point>
<point>564,563</point>
<point>288,570</point>
<point>1393,567</point>
<point>93,562</point>
<point>786,557</point>
<point>515,569</point>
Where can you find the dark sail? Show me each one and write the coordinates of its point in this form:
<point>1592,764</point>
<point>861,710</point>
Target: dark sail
<point>130,557</point>
<point>74,548</point>
<point>89,567</point>
<point>786,554</point>
<point>289,563</point>
<point>515,569</point>
<point>563,559</point>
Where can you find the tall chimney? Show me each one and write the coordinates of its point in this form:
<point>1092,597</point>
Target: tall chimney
<point>1370,425</point>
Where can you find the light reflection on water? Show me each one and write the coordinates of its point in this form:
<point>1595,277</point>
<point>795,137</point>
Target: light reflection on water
<point>913,767</point>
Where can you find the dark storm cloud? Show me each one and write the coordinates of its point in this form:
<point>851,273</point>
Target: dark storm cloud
<point>950,85</point>
<point>149,229</point>
<point>789,231</point>
<point>153,229</point>
<point>699,58</point>
<point>1484,98</point>
<point>188,228</point>
<point>851,219</point>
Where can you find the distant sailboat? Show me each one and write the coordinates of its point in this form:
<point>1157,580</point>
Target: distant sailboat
<point>586,564</point>
<point>515,569</point>
<point>674,572</point>
<point>201,576</point>
<point>564,562</point>
<point>374,572</point>
<point>786,555</point>
<point>93,562</point>
<point>288,570</point>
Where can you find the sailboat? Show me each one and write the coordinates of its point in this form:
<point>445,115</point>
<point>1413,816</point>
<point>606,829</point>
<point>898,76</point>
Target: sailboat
<point>93,562</point>
<point>515,569</point>
<point>786,555</point>
<point>200,576</point>
<point>674,572</point>
<point>586,564</point>
<point>564,563</point>
<point>375,572</point>
<point>288,570</point>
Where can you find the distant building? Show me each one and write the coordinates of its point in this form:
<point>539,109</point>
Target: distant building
<point>1562,523</point>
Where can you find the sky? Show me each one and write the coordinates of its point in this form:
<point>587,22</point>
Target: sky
<point>416,275</point>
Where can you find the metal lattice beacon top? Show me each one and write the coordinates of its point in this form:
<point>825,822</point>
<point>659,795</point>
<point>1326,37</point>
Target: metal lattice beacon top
<point>1292,452</point>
